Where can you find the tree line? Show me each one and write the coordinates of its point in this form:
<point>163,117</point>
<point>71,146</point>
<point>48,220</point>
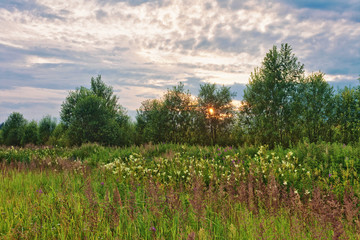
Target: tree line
<point>281,106</point>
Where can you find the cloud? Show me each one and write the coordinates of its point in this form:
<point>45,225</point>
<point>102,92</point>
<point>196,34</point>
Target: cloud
<point>34,103</point>
<point>29,94</point>
<point>147,46</point>
<point>326,5</point>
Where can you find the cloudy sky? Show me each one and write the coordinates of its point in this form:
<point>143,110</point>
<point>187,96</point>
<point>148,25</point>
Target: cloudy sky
<point>143,47</point>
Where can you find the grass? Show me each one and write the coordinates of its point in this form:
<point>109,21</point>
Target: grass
<point>140,193</point>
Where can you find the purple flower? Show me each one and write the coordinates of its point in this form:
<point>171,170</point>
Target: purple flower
<point>40,191</point>
<point>330,174</point>
<point>102,183</point>
<point>153,229</point>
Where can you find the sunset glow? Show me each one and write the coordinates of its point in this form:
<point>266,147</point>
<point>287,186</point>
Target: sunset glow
<point>211,111</point>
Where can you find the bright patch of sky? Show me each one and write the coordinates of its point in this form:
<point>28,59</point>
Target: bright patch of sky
<point>142,48</point>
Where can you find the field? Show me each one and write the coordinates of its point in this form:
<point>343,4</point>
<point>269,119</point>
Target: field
<point>168,191</point>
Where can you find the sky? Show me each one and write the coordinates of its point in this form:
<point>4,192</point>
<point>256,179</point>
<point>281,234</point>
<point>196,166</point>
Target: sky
<point>143,47</point>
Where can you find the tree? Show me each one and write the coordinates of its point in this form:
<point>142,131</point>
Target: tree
<point>315,103</point>
<point>31,133</point>
<point>179,107</point>
<point>216,112</point>
<point>151,121</point>
<point>93,115</point>
<point>1,135</point>
<point>59,136</point>
<point>348,114</point>
<point>169,119</point>
<point>268,98</point>
<point>14,129</point>
<point>46,127</point>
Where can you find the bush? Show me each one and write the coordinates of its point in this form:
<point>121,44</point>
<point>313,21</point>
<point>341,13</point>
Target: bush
<point>14,129</point>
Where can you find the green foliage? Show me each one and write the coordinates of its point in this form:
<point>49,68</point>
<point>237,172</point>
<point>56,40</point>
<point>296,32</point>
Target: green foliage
<point>178,118</point>
<point>46,127</point>
<point>302,167</point>
<point>169,119</point>
<point>59,136</point>
<point>31,134</point>
<point>1,137</point>
<point>314,104</point>
<point>151,118</point>
<point>180,112</point>
<point>173,191</point>
<point>14,129</point>
<point>215,111</point>
<point>348,115</point>
<point>93,115</point>
<point>268,98</point>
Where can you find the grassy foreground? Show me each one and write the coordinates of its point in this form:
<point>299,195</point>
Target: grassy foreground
<point>179,192</point>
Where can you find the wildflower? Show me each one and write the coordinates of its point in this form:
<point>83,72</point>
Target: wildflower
<point>102,183</point>
<point>40,191</point>
<point>285,183</point>
<point>330,174</point>
<point>153,229</point>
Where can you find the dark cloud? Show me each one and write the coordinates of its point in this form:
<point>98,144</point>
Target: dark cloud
<point>341,84</point>
<point>30,110</point>
<point>100,14</point>
<point>20,5</point>
<point>12,78</point>
<point>239,90</point>
<point>186,44</point>
<point>333,5</point>
<point>131,2</point>
<point>33,7</point>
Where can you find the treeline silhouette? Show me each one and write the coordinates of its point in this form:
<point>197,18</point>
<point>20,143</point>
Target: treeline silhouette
<point>281,106</point>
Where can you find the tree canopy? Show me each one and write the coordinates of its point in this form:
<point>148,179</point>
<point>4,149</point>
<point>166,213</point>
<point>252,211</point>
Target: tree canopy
<point>13,129</point>
<point>94,115</point>
<point>281,106</point>
<point>269,96</point>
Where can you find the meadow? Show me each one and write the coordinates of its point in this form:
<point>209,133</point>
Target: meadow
<point>173,191</point>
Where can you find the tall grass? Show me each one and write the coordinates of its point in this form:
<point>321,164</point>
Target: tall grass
<point>176,192</point>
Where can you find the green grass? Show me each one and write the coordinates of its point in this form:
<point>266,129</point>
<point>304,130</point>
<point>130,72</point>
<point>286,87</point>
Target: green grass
<point>52,205</point>
<point>178,192</point>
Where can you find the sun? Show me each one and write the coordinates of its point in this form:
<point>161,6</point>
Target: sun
<point>211,111</point>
